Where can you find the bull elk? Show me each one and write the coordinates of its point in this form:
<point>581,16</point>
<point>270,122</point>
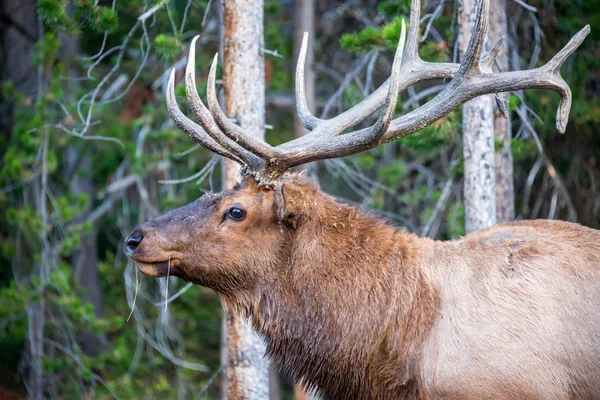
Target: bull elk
<point>358,309</point>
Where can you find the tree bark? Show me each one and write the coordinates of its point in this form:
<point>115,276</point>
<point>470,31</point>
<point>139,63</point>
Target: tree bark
<point>78,167</point>
<point>85,258</point>
<point>247,371</point>
<point>478,142</point>
<point>20,31</point>
<point>304,21</point>
<point>505,188</point>
<point>19,34</point>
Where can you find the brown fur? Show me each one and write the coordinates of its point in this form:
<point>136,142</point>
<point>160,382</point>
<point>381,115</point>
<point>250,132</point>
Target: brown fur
<point>360,310</point>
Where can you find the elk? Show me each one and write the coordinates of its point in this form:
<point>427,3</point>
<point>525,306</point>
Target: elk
<point>358,309</point>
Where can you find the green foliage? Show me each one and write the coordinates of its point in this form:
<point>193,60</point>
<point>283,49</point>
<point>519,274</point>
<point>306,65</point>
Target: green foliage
<point>99,18</point>
<point>10,94</point>
<point>392,8</point>
<point>54,14</point>
<point>35,147</point>
<point>391,33</point>
<point>46,52</point>
<point>106,20</point>
<point>456,220</point>
<point>277,77</point>
<point>523,149</point>
<point>434,52</point>
<point>35,137</point>
<point>372,38</point>
<point>167,46</point>
<point>433,138</point>
<point>363,41</point>
<point>390,174</point>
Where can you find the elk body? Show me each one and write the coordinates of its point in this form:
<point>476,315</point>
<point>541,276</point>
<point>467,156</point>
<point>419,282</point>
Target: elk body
<point>358,309</point>
<point>362,310</point>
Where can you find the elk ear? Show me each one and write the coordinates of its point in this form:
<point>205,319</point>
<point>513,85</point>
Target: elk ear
<point>292,203</point>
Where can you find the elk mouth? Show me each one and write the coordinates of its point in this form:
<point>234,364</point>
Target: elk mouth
<point>151,260</point>
<point>158,269</point>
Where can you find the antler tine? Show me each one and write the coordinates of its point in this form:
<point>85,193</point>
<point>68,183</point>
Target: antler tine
<point>412,41</point>
<point>203,115</point>
<point>472,58</point>
<point>190,127</point>
<point>553,67</point>
<point>471,81</point>
<point>307,119</point>
<point>474,77</point>
<point>462,89</point>
<point>413,70</point>
<point>368,106</point>
<point>559,59</point>
<point>487,64</point>
<point>384,120</point>
<point>231,130</point>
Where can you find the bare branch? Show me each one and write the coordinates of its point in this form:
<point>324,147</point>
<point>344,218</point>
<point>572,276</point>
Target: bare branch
<point>526,6</point>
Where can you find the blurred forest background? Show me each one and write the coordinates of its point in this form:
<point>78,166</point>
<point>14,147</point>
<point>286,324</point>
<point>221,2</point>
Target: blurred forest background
<point>87,152</point>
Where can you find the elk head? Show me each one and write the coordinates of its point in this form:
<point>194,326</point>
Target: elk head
<point>233,240</point>
<point>228,241</point>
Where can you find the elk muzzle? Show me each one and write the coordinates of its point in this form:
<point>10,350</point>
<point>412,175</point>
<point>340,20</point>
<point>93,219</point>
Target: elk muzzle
<point>145,247</point>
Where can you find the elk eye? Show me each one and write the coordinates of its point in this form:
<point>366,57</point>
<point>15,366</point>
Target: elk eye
<point>236,214</point>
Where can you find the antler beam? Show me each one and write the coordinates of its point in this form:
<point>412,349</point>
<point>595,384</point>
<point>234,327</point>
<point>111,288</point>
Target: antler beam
<point>472,78</point>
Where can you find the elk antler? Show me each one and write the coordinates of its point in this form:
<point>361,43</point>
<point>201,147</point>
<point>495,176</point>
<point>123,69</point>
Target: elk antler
<point>472,78</point>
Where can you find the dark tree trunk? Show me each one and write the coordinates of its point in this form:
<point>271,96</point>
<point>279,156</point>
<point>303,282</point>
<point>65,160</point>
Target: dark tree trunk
<point>85,259</point>
<point>78,168</point>
<point>19,33</point>
<point>18,24</point>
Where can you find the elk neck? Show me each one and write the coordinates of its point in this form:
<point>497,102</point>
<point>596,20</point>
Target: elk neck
<point>349,290</point>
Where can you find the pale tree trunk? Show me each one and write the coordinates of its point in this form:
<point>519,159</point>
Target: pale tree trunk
<point>247,370</point>
<point>505,188</point>
<point>304,21</point>
<point>478,142</point>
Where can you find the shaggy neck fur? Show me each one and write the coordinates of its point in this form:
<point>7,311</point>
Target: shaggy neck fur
<point>350,309</point>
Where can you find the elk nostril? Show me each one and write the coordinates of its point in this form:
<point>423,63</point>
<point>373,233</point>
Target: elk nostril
<point>133,241</point>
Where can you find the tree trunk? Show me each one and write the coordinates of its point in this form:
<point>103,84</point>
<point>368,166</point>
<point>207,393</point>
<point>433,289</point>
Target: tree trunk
<point>247,367</point>
<point>478,142</point>
<point>505,188</point>
<point>85,258</point>
<point>78,167</point>
<point>19,33</point>
<point>19,25</point>
<point>304,21</point>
